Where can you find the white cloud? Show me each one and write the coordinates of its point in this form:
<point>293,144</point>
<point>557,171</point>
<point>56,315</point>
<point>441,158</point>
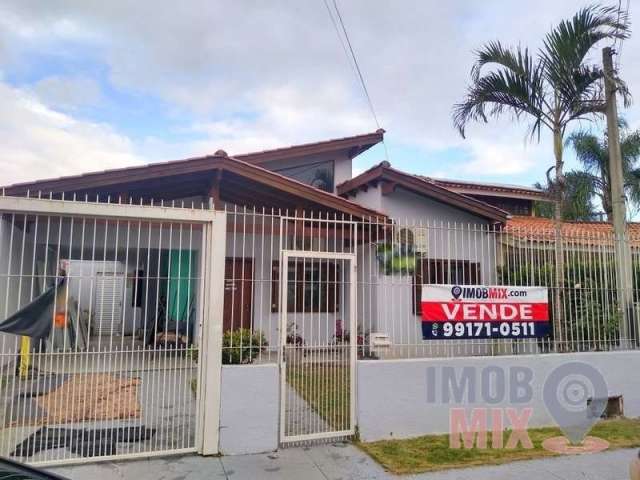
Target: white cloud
<point>274,73</point>
<point>68,92</point>
<point>284,116</point>
<point>494,158</point>
<point>38,142</point>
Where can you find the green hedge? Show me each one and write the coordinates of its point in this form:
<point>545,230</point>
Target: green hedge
<point>242,346</point>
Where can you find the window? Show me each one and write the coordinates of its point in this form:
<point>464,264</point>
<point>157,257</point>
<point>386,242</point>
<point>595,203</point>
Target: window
<point>312,286</point>
<point>440,271</point>
<point>319,175</point>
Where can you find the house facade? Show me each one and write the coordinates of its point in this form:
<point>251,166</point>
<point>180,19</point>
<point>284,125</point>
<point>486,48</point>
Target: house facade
<point>303,180</point>
<point>206,283</point>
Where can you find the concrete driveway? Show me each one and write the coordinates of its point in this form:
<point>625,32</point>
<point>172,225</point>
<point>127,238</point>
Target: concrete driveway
<point>344,462</point>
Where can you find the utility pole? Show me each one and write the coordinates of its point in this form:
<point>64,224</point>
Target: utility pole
<point>624,280</point>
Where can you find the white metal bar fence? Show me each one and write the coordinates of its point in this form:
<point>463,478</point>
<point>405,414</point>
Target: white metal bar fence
<point>113,371</point>
<point>394,259</point>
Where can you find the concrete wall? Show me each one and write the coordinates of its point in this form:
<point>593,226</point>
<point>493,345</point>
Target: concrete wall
<point>249,409</point>
<point>392,395</point>
<point>371,198</point>
<point>451,233</point>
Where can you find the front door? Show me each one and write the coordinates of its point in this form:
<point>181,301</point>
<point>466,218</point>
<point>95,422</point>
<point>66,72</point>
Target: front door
<point>238,293</point>
<point>318,345</point>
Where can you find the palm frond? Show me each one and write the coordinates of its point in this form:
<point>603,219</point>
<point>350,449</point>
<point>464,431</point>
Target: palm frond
<point>580,189</point>
<point>516,86</point>
<point>566,47</point>
<point>589,150</point>
<point>630,149</point>
<point>630,146</point>
<point>518,61</point>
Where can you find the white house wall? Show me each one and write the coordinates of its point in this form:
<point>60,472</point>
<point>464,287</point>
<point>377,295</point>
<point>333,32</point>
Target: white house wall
<point>370,198</point>
<point>387,301</point>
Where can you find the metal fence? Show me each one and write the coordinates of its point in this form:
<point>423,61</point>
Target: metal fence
<point>118,369</point>
<point>588,312</point>
<point>99,357</point>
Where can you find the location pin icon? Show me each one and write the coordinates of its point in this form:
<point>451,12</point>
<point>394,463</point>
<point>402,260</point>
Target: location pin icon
<point>456,290</point>
<point>575,395</point>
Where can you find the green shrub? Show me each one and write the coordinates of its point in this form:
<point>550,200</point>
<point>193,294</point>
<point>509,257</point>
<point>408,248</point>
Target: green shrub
<point>589,304</point>
<point>194,386</point>
<point>242,346</point>
<point>192,353</point>
<point>396,259</point>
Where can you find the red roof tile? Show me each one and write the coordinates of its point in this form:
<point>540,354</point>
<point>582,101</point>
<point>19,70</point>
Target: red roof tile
<point>537,228</point>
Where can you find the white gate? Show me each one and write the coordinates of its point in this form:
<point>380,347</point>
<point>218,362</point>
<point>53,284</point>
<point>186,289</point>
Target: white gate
<point>127,366</point>
<point>318,345</point>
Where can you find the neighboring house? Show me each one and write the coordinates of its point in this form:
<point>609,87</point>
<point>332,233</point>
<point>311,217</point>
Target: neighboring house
<point>515,199</point>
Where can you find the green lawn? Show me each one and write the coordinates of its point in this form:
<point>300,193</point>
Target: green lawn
<point>325,387</point>
<point>432,452</point>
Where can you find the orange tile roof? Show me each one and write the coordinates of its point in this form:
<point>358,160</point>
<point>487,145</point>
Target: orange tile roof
<point>544,229</point>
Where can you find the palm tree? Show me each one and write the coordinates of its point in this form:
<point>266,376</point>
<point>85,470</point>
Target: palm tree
<point>552,88</point>
<point>577,204</point>
<point>593,154</point>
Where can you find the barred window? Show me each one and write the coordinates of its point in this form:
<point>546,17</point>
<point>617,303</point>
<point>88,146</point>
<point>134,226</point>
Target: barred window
<point>312,286</point>
<point>443,272</point>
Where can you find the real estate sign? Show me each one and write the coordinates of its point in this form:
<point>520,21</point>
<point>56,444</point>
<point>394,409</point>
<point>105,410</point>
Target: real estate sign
<point>454,312</point>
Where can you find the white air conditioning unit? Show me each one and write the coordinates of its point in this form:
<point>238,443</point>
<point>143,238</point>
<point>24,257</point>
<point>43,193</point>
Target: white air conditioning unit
<point>414,235</point>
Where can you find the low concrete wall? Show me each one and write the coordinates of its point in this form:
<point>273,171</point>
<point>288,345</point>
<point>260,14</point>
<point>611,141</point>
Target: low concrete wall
<point>249,409</point>
<point>392,394</point>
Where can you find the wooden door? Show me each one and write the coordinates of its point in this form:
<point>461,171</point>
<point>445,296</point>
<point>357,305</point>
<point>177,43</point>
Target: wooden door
<point>238,293</point>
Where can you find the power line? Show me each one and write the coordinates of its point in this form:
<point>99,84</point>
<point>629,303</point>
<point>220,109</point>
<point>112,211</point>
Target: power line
<point>353,61</point>
<point>616,46</point>
<point>619,52</point>
<point>615,40</point>
<point>337,29</point>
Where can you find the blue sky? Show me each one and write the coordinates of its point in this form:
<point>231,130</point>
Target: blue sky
<point>93,85</point>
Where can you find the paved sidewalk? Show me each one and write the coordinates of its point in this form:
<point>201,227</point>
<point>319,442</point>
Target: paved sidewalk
<point>344,462</point>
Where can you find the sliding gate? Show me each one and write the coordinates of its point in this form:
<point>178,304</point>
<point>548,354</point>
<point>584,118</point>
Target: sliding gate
<point>318,345</point>
<point>107,355</point>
